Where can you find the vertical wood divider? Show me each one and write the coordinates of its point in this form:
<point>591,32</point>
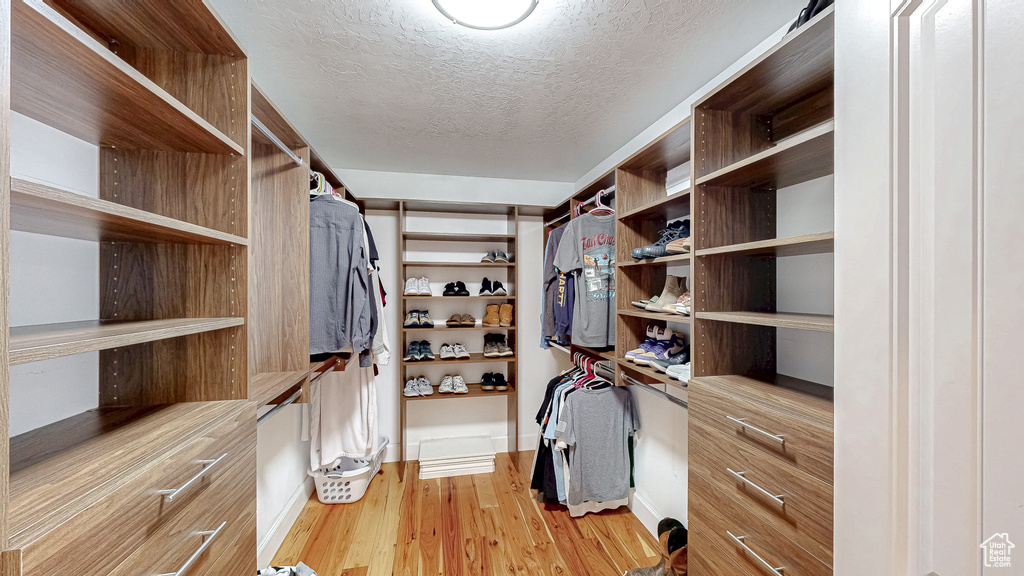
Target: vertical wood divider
<point>5,226</point>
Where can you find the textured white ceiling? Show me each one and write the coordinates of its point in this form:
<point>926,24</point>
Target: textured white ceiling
<point>391,85</point>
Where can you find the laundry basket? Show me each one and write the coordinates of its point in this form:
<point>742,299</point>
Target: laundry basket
<point>347,482</point>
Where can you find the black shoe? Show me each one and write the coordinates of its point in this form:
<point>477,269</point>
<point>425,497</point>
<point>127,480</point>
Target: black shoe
<point>498,289</point>
<point>674,231</point>
<point>425,352</point>
<point>449,290</point>
<point>499,382</point>
<point>412,354</point>
<point>487,382</point>
<point>460,289</point>
<point>485,288</point>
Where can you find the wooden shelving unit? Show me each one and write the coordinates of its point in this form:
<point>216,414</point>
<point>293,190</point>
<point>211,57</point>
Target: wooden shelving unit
<point>270,386</point>
<point>805,156</point>
<point>671,260</point>
<point>506,240</point>
<point>662,316</point>
<point>815,322</point>
<point>671,207</point>
<point>650,373</point>
<point>821,243</point>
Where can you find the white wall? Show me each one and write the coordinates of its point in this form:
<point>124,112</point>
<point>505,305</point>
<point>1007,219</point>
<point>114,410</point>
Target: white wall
<point>282,485</point>
<point>53,279</point>
<point>374,184</point>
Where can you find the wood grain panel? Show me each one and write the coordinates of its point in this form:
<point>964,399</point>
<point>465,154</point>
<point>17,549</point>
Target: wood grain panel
<point>727,348</point>
<point>671,207</point>
<point>707,559</point>
<point>666,152</point>
<point>637,188</point>
<point>7,561</point>
<point>269,387</point>
<point>722,137</point>
<point>10,563</point>
<point>64,78</point>
<point>803,157</point>
<point>733,216</point>
<point>813,322</point>
<point>716,515</point>
<point>806,515</point>
<point>819,243</point>
<point>240,557</point>
<point>808,442</point>
<point>264,109</point>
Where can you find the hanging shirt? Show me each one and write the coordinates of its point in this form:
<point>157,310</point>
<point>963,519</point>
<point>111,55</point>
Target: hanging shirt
<point>587,250</point>
<point>549,287</point>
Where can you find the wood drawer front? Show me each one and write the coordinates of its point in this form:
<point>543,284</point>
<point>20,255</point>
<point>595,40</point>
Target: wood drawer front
<point>806,515</point>
<point>805,444</point>
<point>707,559</point>
<point>230,501</point>
<point>98,539</point>
<point>240,557</point>
<point>717,515</point>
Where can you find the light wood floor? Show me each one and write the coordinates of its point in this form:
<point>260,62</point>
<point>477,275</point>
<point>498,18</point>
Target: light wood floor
<point>470,525</point>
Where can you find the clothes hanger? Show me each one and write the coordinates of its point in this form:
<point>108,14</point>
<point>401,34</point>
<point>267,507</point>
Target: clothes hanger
<point>604,210</point>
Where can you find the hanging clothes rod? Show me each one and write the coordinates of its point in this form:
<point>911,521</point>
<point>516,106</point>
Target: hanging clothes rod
<point>277,141</point>
<point>609,190</point>
<point>638,384</point>
<point>557,220</point>
<point>557,346</point>
<point>276,409</point>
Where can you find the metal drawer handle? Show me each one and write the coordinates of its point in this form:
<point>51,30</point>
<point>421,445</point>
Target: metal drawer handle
<point>743,422</point>
<point>209,535</point>
<point>742,477</point>
<point>739,540</point>
<point>170,495</point>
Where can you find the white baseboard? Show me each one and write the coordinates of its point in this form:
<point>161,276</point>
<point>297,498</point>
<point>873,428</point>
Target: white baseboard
<point>279,531</point>
<point>644,512</point>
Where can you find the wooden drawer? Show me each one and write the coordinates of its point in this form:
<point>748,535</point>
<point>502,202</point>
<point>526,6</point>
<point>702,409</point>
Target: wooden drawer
<point>704,558</point>
<point>228,504</point>
<point>717,516</point>
<point>240,557</point>
<point>104,534</point>
<point>752,413</point>
<point>805,514</point>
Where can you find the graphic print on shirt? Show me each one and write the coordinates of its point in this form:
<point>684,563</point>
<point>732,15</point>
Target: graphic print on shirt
<point>599,267</point>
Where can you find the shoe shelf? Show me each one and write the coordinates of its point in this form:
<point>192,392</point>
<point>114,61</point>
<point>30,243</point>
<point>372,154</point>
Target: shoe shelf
<point>674,259</point>
<point>475,391</point>
<point>424,264</point>
<point>821,243</point>
<point>650,373</point>
<point>813,322</point>
<point>474,358</point>
<point>670,207</point>
<point>803,157</point>
<point>445,237</point>
<point>63,77</point>
<point>456,328</point>
<point>664,316</point>
<point>46,341</point>
<point>43,209</point>
<point>417,297</point>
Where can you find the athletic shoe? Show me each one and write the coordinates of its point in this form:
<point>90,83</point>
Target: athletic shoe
<point>460,289</point>
<point>485,288</point>
<point>425,320</point>
<point>446,386</point>
<point>486,382</point>
<point>412,353</point>
<point>678,246</point>
<point>425,350</point>
<point>412,319</point>
<point>490,256</point>
<point>490,347</point>
<point>449,289</point>
<point>501,341</point>
<point>663,364</point>
<point>447,352</point>
<point>499,289</point>
<point>459,385</point>
<point>424,386</point>
<point>411,288</point>
<point>423,287</point>
<point>412,389</point>
<point>654,335</point>
<point>674,231</point>
<point>460,352</point>
<point>499,382</point>
<point>502,257</point>
<point>661,351</point>
<point>680,372</point>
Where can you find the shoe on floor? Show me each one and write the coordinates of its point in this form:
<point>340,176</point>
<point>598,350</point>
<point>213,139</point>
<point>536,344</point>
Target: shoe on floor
<point>424,386</point>
<point>446,386</point>
<point>499,289</point>
<point>423,287</point>
<point>460,352</point>
<point>674,288</point>
<point>460,289</point>
<point>505,316</point>
<point>485,288</point>
<point>490,256</point>
<point>493,316</point>
<point>412,389</point>
<point>467,320</point>
<point>447,352</point>
<point>459,385</point>
<point>411,287</point>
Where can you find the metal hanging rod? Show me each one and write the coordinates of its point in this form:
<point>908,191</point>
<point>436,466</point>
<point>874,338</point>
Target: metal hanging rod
<point>653,390</point>
<point>277,141</point>
<point>556,220</point>
<point>609,190</point>
<point>557,346</point>
<point>276,409</point>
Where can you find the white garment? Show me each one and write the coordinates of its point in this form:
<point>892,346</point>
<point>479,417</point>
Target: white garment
<point>343,409</point>
<point>381,341</point>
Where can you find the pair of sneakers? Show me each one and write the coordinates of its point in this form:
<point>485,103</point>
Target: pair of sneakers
<point>493,381</point>
<point>418,351</point>
<point>418,387</point>
<point>454,352</point>
<point>453,385</point>
<point>455,289</point>
<point>488,288</point>
<point>660,344</point>
<point>496,256</point>
<point>417,287</point>
<point>496,345</point>
<point>677,230</point>
<point>418,319</point>
<point>676,366</point>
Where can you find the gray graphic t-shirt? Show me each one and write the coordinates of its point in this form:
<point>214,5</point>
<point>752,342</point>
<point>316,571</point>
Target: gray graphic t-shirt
<point>587,250</point>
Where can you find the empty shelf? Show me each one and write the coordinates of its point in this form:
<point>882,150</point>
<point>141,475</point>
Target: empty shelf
<point>670,207</point>
<point>62,77</point>
<point>801,397</point>
<point>52,211</point>
<point>821,243</point>
<point>45,341</point>
<point>265,388</point>
<point>814,322</point>
<point>803,157</point>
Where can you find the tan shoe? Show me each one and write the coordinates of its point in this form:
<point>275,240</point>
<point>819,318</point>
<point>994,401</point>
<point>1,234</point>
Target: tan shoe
<point>467,320</point>
<point>506,315</point>
<point>673,289</point>
<point>681,246</point>
<point>492,318</point>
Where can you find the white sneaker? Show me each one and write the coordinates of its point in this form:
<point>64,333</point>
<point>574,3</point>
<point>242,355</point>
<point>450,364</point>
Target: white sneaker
<point>460,353</point>
<point>447,352</point>
<point>412,287</point>
<point>425,389</point>
<point>680,372</point>
<point>447,386</point>
<point>411,389</point>
<point>460,385</point>
<point>423,287</point>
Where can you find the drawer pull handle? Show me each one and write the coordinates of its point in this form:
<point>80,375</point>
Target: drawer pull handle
<point>762,561</point>
<point>746,426</point>
<point>209,536</point>
<point>742,477</point>
<point>170,495</point>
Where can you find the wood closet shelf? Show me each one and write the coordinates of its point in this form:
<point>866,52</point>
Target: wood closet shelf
<point>803,157</point>
<point>444,237</point>
<point>458,298</point>
<point>810,400</point>
<point>650,373</point>
<point>43,209</point>
<point>663,316</point>
<point>63,77</point>
<point>474,358</point>
<point>820,243</point>
<point>45,341</point>
<point>267,387</point>
<point>474,392</point>
<point>92,454</point>
<point>443,329</point>
<point>670,207</point>
<point>813,322</point>
<point>458,264</point>
<point>673,259</point>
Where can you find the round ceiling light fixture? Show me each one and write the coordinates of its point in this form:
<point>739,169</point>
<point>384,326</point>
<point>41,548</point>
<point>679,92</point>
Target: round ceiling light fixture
<point>486,14</point>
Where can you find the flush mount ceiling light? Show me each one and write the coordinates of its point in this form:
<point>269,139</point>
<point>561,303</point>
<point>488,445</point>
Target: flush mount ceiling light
<point>486,14</point>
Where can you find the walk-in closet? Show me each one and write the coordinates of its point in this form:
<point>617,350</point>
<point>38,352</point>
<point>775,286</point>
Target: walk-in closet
<point>517,287</point>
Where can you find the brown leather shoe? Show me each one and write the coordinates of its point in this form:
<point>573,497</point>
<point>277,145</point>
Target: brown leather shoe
<point>454,321</point>
<point>467,320</point>
<point>505,315</point>
<point>492,318</point>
